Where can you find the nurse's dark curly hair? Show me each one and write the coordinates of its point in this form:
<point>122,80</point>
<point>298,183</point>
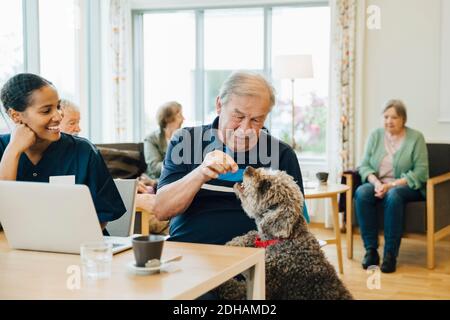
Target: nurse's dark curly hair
<point>17,91</point>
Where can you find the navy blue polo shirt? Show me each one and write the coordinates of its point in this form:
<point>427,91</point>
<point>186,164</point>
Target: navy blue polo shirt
<point>215,215</point>
<point>72,155</point>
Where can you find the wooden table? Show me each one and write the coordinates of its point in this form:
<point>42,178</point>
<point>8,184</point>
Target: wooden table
<point>41,275</point>
<point>331,191</point>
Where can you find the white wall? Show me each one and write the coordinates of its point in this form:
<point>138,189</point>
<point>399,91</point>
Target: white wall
<point>445,61</point>
<point>402,60</point>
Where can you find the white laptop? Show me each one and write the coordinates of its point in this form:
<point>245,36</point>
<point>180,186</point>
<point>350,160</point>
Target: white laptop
<point>51,217</point>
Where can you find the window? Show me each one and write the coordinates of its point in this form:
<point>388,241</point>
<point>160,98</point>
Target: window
<point>59,34</point>
<point>310,95</point>
<point>44,37</point>
<point>11,47</point>
<point>169,51</point>
<point>188,54</point>
<point>223,54</point>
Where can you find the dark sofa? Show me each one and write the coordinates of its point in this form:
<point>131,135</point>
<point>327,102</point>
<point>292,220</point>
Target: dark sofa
<point>124,160</point>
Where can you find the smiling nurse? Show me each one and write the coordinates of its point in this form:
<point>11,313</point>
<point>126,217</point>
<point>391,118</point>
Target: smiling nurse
<point>37,150</point>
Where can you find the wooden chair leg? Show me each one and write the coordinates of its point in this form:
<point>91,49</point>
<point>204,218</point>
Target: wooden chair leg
<point>430,250</point>
<point>145,228</point>
<point>430,226</point>
<point>349,238</point>
<point>337,232</point>
<point>349,216</point>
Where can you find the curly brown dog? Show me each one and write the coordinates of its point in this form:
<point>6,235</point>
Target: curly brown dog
<point>296,267</point>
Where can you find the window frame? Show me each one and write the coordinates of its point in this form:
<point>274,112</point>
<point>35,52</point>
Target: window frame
<point>89,50</point>
<point>31,36</point>
<point>138,57</point>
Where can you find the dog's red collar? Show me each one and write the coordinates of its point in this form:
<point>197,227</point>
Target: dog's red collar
<point>264,244</point>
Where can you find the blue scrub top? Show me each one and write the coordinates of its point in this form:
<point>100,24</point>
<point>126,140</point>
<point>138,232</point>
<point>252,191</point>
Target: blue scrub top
<point>72,155</point>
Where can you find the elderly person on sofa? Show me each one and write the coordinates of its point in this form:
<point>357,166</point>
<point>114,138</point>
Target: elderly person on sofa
<point>70,122</point>
<point>394,171</point>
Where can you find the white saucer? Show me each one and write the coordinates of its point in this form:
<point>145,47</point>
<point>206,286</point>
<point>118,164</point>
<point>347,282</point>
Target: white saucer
<point>322,243</point>
<point>143,270</point>
<point>311,185</point>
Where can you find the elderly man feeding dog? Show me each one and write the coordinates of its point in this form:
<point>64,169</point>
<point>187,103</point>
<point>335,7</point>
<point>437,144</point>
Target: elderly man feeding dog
<point>203,163</point>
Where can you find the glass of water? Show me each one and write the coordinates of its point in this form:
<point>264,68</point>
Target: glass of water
<point>96,258</point>
<point>306,175</point>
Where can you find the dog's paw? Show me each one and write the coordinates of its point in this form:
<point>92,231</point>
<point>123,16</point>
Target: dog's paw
<point>247,240</point>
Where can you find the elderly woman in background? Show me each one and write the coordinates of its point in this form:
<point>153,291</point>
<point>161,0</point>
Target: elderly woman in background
<point>70,122</point>
<point>395,171</point>
<point>170,118</point>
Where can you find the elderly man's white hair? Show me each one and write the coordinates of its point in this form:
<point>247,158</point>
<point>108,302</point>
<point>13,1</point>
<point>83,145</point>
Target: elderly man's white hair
<point>69,105</point>
<point>243,83</point>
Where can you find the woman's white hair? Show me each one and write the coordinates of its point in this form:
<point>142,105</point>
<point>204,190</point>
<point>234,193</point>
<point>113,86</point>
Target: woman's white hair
<point>243,83</point>
<point>69,105</point>
<point>399,107</point>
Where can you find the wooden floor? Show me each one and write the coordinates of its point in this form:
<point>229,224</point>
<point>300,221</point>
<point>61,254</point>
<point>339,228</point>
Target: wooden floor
<point>412,280</point>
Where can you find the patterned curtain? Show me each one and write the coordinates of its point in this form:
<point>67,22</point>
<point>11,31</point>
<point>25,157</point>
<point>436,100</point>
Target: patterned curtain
<point>120,44</point>
<point>343,79</point>
<point>341,139</point>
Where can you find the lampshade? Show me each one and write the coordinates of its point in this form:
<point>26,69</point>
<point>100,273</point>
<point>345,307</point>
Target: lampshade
<point>297,66</point>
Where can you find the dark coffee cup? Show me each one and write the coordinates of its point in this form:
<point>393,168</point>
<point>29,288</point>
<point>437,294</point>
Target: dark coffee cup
<point>146,248</point>
<point>322,177</point>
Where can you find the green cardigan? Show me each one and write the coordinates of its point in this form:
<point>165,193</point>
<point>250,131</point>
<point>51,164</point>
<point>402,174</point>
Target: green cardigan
<point>155,146</point>
<point>410,161</point>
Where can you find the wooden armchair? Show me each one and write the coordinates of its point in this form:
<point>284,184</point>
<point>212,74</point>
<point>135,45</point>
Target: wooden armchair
<point>430,217</point>
<point>147,223</point>
<point>126,160</point>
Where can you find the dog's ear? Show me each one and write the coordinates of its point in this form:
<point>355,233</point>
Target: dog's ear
<point>250,171</point>
<point>264,186</point>
<point>277,223</point>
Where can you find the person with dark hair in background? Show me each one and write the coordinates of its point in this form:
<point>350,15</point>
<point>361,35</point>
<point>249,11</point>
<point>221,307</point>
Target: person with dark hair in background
<point>36,149</point>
